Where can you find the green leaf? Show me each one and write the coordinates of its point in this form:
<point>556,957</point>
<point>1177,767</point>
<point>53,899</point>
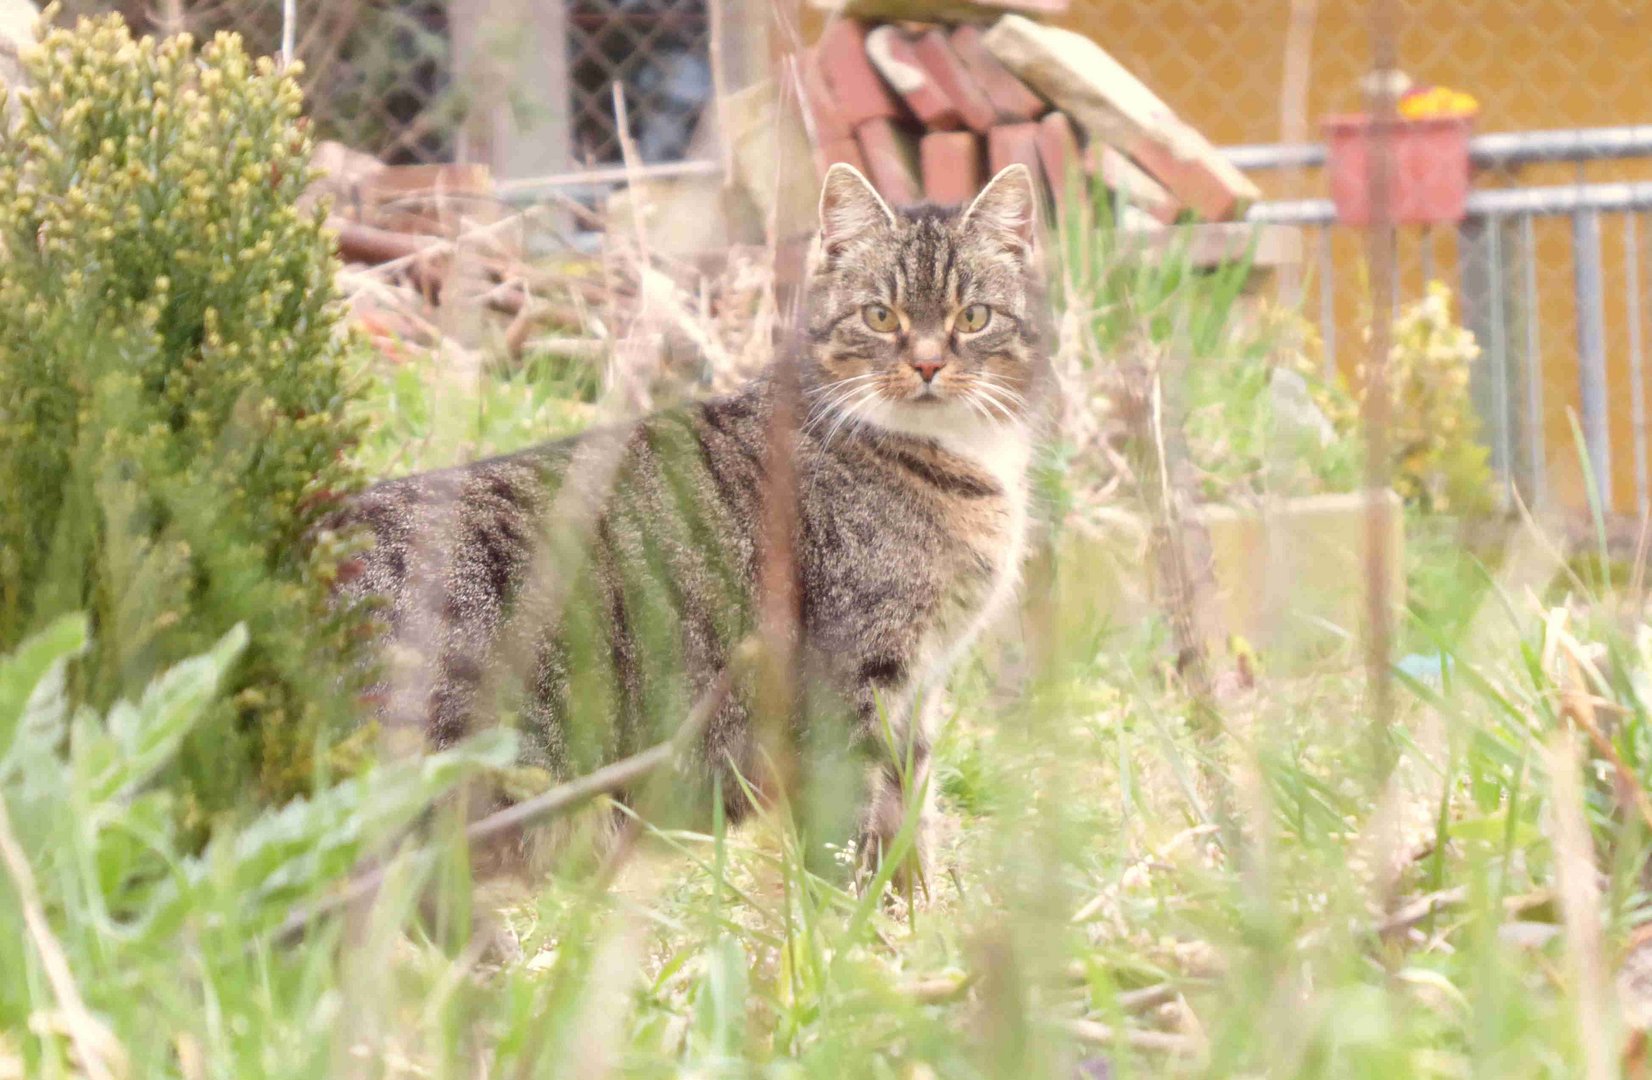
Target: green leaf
<point>33,704</point>
<point>149,733</point>
<point>293,853</point>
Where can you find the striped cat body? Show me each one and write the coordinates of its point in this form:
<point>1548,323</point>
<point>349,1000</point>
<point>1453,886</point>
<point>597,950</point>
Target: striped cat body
<point>592,589</point>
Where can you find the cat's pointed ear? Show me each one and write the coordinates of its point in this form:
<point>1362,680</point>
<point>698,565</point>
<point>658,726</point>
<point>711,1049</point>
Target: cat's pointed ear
<point>1007,208</point>
<point>849,207</point>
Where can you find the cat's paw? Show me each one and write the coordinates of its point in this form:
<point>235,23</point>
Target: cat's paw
<point>908,879</point>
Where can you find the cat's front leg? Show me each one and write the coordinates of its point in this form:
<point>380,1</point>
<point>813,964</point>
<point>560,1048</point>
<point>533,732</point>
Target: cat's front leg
<point>895,812</point>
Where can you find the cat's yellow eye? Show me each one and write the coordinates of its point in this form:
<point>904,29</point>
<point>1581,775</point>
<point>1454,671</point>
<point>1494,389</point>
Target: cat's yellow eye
<point>974,318</point>
<point>880,318</point>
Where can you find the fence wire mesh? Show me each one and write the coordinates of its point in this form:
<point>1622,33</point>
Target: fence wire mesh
<point>659,51</point>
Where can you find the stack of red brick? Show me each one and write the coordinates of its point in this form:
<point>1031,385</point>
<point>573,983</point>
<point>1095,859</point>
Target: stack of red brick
<point>930,111</point>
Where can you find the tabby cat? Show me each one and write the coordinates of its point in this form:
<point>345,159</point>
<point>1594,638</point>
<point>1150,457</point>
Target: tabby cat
<point>612,575</point>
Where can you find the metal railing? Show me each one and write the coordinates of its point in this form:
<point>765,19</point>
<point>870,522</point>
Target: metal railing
<point>1497,263</point>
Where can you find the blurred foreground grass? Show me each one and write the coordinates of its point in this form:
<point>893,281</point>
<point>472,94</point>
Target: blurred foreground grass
<point>1112,895</point>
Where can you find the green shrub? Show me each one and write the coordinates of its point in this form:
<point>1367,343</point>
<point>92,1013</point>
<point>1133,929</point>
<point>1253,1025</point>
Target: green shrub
<point>173,387</point>
<point>1440,465</point>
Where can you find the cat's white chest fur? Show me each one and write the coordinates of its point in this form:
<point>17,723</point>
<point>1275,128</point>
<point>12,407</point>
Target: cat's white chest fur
<point>1004,451</point>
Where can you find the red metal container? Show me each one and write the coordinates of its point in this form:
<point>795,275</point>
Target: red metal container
<point>1428,181</point>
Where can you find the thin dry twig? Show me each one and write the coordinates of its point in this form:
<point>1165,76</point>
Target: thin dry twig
<point>608,780</point>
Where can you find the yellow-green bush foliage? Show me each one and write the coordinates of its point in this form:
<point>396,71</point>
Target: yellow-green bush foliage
<point>173,386</point>
<point>1439,463</point>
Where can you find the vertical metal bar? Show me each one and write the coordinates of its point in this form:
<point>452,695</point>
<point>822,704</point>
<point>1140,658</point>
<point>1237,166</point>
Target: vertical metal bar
<point>1534,369</point>
<point>1327,305</point>
<point>1591,348</point>
<point>1637,377</point>
<point>1394,290</point>
<point>1502,457</point>
<point>1477,267</point>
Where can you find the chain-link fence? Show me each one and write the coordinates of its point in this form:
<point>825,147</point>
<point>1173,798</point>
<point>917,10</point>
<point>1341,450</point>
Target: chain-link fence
<point>659,51</point>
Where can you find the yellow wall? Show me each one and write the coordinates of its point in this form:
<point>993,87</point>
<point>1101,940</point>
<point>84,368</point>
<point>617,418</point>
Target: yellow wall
<point>1532,64</point>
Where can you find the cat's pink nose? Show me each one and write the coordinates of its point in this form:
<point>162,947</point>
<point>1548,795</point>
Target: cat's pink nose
<point>927,369</point>
<point>928,357</point>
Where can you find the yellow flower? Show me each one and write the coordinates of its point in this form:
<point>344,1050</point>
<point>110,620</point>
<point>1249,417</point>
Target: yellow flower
<point>1437,101</point>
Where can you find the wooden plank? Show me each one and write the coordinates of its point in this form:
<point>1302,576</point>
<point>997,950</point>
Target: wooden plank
<point>1112,105</point>
<point>1125,178</point>
<point>939,11</point>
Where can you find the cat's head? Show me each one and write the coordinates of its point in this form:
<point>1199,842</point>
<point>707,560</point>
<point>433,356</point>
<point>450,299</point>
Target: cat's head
<point>926,316</point>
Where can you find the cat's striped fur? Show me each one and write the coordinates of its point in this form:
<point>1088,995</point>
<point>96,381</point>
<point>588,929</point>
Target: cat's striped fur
<point>598,608</point>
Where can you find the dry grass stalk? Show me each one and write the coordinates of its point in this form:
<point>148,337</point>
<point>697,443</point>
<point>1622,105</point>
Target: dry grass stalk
<point>100,1054</point>
<point>1579,707</point>
<point>1577,885</point>
<point>1376,407</point>
<point>1098,1034</point>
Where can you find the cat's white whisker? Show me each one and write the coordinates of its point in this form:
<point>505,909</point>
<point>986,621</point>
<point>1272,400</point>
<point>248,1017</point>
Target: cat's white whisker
<point>990,395</point>
<point>864,399</point>
<point>978,408</point>
<point>848,380</point>
<point>1003,390</point>
<point>834,405</point>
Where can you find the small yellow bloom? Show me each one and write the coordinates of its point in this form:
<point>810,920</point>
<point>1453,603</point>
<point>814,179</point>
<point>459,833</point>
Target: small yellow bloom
<point>1437,101</point>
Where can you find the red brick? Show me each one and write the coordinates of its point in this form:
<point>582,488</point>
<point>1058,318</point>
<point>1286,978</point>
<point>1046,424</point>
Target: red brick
<point>827,120</point>
<point>855,85</point>
<point>1008,94</point>
<point>1010,143</point>
<point>935,53</point>
<point>832,151</point>
<point>1127,179</point>
<point>951,162</point>
<point>1058,152</point>
<point>892,55</point>
<point>888,154</point>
